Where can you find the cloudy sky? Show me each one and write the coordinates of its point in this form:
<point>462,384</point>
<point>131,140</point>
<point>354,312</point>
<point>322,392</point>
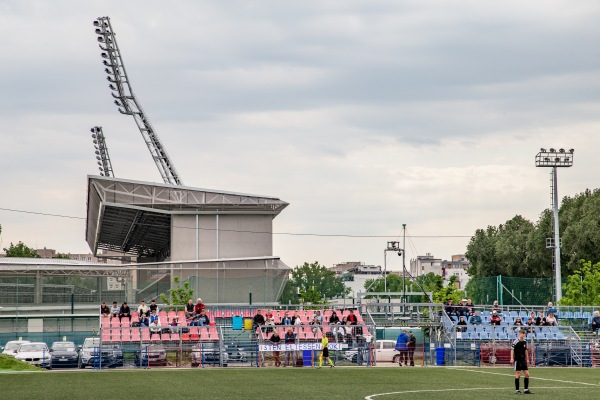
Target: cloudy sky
<point>364,115</point>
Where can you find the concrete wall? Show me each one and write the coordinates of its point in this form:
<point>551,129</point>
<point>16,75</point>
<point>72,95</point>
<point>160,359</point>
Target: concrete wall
<point>233,234</point>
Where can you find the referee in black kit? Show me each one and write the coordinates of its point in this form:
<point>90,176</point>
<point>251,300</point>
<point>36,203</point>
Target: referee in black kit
<point>518,357</point>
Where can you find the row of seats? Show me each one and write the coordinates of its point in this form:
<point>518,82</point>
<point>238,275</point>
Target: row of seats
<point>306,316</point>
<point>306,332</point>
<point>117,335</point>
<point>492,328</point>
<point>508,336</point>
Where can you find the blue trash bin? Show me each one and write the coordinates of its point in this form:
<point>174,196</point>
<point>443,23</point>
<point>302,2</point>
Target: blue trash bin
<point>307,358</point>
<point>440,356</point>
<point>237,322</point>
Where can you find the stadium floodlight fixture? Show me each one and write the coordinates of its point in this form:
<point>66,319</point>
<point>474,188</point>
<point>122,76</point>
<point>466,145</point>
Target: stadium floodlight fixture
<point>554,159</point>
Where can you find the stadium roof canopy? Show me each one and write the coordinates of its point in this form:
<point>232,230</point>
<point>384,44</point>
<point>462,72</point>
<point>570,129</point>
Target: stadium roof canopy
<point>135,217</point>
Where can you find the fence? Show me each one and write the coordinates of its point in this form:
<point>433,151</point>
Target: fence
<point>510,290</point>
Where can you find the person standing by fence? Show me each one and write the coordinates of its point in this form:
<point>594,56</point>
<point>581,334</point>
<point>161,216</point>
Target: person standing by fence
<point>411,345</point>
<point>401,346</point>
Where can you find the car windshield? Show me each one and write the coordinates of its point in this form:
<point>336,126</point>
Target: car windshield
<point>91,342</point>
<point>33,347</point>
<point>64,346</point>
<point>13,346</point>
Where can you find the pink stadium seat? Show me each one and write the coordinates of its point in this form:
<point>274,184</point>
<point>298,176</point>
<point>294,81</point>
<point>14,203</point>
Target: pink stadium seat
<point>115,335</point>
<point>171,315</point>
<point>185,337</point>
<point>155,337</point>
<point>125,322</point>
<point>227,314</point>
<point>145,334</point>
<point>181,315</point>
<point>194,337</point>
<point>126,335</point>
<point>135,335</point>
<point>105,321</point>
<point>175,337</point>
<point>106,335</point>
<point>114,322</point>
<point>204,334</point>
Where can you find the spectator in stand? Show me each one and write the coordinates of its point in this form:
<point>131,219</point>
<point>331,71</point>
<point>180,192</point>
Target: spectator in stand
<point>315,324</point>
<point>189,310</point>
<point>596,322</point>
<point>461,310</point>
<point>551,309</point>
<point>258,320</point>
<point>334,319</point>
<point>290,338</point>
<point>470,308</point>
<point>202,319</point>
<point>143,309</point>
<point>199,306</point>
<point>352,318</point>
<point>153,316</point>
<point>104,310</point>
<point>402,347</point>
<point>269,325</point>
<point>144,321</point>
<point>449,308</point>
<point>153,306</point>
<point>475,319</point>
<point>296,318</point>
<point>518,322</point>
<point>114,310</point>
<point>495,318</point>
<point>319,316</point>
<point>275,340</point>
<point>349,332</point>
<point>269,314</point>
<point>540,320</point>
<point>462,324</point>
<point>286,320</point>
<point>551,320</point>
<point>124,312</point>
<point>532,316</point>
<point>174,326</point>
<point>496,307</point>
<point>155,326</point>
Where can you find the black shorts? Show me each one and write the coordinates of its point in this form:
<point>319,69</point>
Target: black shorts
<point>325,352</point>
<point>521,365</point>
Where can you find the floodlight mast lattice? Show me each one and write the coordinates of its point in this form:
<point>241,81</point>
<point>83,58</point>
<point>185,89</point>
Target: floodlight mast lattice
<point>553,159</point>
<point>104,164</point>
<point>128,103</point>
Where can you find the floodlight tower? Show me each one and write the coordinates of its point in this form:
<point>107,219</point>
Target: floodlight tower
<point>127,102</point>
<point>554,159</point>
<point>104,164</point>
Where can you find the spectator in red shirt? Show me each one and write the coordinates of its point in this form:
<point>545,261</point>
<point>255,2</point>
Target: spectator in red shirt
<point>495,318</point>
<point>352,318</point>
<point>199,306</point>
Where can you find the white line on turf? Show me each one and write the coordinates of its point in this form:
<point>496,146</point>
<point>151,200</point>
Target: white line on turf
<point>531,377</point>
<point>371,396</point>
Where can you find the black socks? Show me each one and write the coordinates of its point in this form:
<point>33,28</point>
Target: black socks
<point>517,383</point>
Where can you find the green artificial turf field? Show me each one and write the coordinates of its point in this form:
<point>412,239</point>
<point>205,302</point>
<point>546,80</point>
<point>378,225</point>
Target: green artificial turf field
<point>299,383</point>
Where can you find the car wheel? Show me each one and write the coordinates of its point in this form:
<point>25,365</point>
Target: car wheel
<point>396,359</point>
<point>81,365</point>
<point>194,365</point>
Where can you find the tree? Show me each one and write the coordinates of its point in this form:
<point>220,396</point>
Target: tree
<point>583,286</point>
<point>62,256</point>
<point>430,283</point>
<point>313,283</point>
<point>449,292</point>
<point>20,250</point>
<point>179,295</point>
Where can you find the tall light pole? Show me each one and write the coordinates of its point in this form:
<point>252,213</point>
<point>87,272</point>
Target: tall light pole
<point>391,246</point>
<point>403,262</point>
<point>553,159</point>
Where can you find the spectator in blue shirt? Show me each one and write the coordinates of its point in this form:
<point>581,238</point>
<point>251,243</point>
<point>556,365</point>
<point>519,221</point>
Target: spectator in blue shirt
<point>402,347</point>
<point>475,319</point>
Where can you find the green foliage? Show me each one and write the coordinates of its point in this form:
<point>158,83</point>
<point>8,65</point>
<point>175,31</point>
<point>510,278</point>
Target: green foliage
<point>583,286</point>
<point>518,247</point>
<point>430,282</point>
<point>62,256</point>
<point>312,283</point>
<point>178,295</point>
<point>12,364</point>
<point>20,250</point>
<point>449,292</point>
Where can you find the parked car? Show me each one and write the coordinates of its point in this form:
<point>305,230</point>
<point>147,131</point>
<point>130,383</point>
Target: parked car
<point>153,354</point>
<point>209,353</point>
<point>385,351</point>
<point>109,355</point>
<point>11,348</point>
<point>34,353</point>
<point>63,354</point>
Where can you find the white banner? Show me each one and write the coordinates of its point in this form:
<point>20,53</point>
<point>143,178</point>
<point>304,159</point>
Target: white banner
<point>297,347</point>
